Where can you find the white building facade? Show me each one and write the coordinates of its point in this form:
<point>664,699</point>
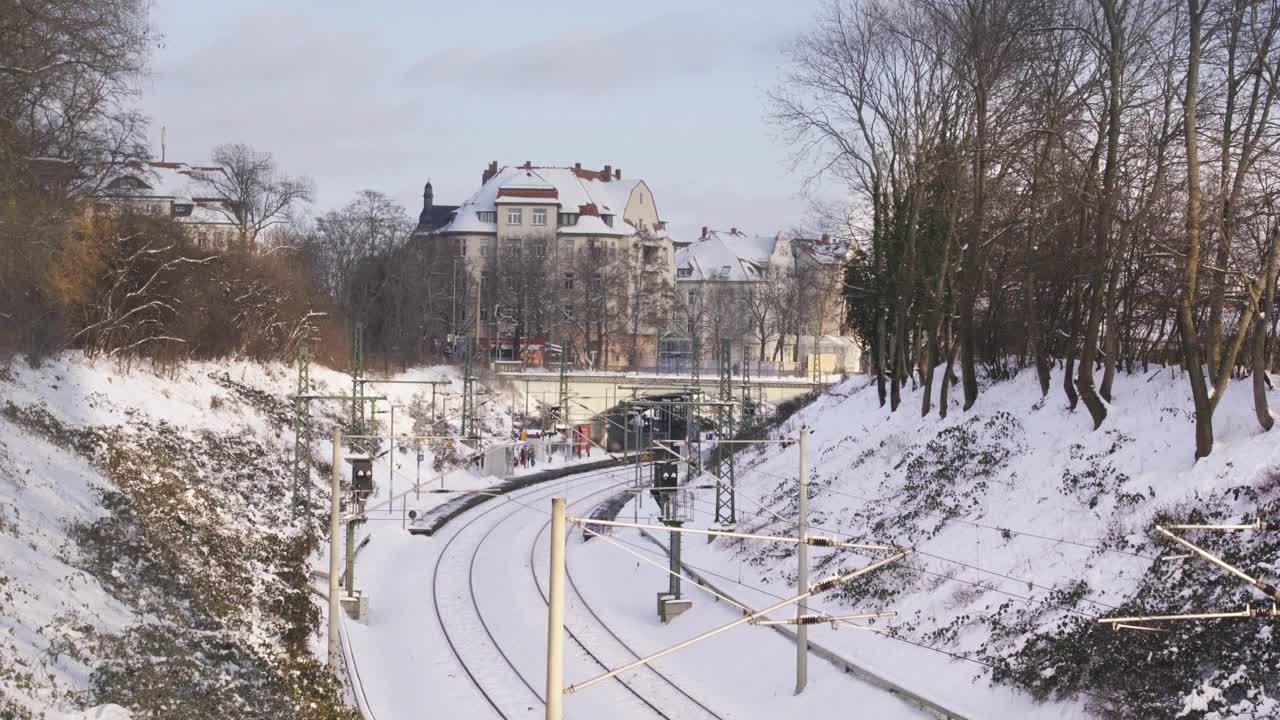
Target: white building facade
<point>777,298</point>
<point>549,252</point>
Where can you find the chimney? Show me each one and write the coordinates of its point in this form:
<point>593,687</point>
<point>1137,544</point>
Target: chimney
<point>617,174</point>
<point>528,164</point>
<point>489,172</point>
<point>608,173</point>
<point>577,167</point>
<point>733,231</point>
<point>826,238</point>
<point>704,233</point>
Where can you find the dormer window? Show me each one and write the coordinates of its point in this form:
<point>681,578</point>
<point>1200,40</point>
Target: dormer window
<point>608,220</point>
<point>568,219</point>
<point>724,270</point>
<point>489,216</point>
<point>182,209</point>
<point>684,272</point>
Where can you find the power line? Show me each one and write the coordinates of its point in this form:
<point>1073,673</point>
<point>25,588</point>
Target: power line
<point>949,518</point>
<point>990,588</point>
<point>891,636</point>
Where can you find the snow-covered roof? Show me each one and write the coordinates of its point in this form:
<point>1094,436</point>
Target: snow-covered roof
<point>573,189</point>
<point>204,212</point>
<point>726,256</point>
<point>171,181</point>
<point>159,180</point>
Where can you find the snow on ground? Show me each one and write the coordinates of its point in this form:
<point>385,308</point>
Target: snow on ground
<point>1020,515</point>
<point>1006,503</point>
<point>47,489</point>
<point>486,572</point>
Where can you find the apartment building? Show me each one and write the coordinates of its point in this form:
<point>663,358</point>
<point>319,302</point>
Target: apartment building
<point>547,252</point>
<point>776,297</point>
<point>170,189</point>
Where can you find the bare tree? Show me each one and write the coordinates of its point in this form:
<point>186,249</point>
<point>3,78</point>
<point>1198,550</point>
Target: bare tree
<point>261,196</point>
<point>68,75</point>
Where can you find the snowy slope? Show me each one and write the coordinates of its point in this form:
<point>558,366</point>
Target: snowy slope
<point>77,445</point>
<point>1025,522</point>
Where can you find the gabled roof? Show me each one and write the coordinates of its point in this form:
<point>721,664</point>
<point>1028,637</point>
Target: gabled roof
<point>158,180</point>
<point>726,256</point>
<point>172,181</point>
<point>583,192</point>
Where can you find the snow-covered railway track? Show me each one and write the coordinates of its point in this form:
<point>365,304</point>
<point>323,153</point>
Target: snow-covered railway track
<point>458,635</point>
<point>470,637</point>
<point>691,707</point>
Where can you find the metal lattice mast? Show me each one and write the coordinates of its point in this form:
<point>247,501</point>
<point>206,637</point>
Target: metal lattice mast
<point>726,489</point>
<point>564,384</point>
<point>302,434</point>
<point>357,380</point>
<point>693,432</point>
<point>468,391</point>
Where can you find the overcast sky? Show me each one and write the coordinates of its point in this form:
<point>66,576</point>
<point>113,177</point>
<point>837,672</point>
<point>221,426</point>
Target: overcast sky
<point>383,95</point>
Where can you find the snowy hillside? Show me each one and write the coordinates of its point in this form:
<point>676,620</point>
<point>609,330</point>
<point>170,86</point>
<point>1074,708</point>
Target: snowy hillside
<point>149,556</point>
<point>1028,526</point>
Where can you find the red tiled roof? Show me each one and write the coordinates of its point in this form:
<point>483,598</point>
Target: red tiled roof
<point>551,193</point>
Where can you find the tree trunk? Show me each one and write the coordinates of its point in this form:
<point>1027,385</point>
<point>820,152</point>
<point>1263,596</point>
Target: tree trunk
<point>1260,336</point>
<point>1102,233</point>
<point>1186,304</point>
<point>1068,382</point>
<point>880,357</point>
<point>944,393</point>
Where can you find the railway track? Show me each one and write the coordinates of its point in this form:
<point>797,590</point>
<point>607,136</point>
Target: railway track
<point>500,699</point>
<point>699,708</point>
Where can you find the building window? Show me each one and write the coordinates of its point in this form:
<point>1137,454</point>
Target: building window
<point>484,248</point>
<point>484,280</point>
<point>539,248</point>
<point>684,272</point>
<point>484,314</point>
<point>539,216</point>
<point>568,281</point>
<point>567,311</point>
<point>515,216</point>
<point>489,216</point>
<point>566,248</point>
<point>568,218</point>
<point>693,297</point>
<point>724,270</point>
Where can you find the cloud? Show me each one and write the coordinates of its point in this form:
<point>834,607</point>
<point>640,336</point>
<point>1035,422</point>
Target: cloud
<point>319,97</point>
<point>589,63</point>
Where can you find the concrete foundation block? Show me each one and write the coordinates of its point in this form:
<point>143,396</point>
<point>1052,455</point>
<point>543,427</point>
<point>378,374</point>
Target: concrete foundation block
<point>356,607</point>
<point>670,607</point>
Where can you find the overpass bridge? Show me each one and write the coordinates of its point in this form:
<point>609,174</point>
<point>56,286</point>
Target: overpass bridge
<point>593,392</point>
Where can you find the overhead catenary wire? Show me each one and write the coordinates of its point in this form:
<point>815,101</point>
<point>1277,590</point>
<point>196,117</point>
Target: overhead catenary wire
<point>987,587</point>
<point>895,636</point>
<point>816,541</point>
<point>971,523</point>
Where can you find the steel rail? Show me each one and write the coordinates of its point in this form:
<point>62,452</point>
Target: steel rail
<point>582,478</point>
<point>591,611</point>
<point>435,596</point>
